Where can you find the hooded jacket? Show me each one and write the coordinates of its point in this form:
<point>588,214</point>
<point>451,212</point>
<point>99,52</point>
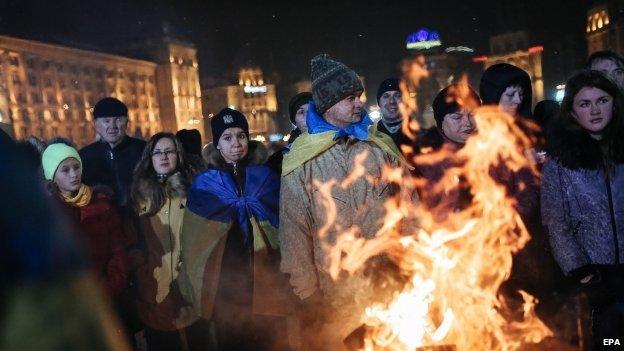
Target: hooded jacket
<point>499,77</point>
<point>582,207</point>
<point>161,305</point>
<point>112,167</point>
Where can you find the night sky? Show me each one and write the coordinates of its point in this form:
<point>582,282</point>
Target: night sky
<point>281,37</point>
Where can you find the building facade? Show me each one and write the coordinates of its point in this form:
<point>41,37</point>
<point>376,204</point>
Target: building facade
<point>514,48</point>
<point>605,27</point>
<point>49,90</point>
<point>251,96</point>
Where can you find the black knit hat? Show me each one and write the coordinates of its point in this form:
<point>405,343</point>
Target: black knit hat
<point>446,102</point>
<point>296,102</point>
<point>390,84</point>
<point>110,107</point>
<point>499,77</point>
<point>191,140</point>
<point>332,81</point>
<point>225,119</point>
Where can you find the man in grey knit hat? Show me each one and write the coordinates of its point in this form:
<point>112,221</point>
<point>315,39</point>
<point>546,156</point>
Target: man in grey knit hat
<point>316,218</point>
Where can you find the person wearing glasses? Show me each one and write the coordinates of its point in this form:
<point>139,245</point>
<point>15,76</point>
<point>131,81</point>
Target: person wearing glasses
<point>158,195</point>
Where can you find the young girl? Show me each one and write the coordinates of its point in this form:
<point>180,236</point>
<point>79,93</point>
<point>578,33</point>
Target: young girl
<point>91,211</point>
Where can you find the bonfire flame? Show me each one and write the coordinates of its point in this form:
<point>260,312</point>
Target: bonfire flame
<point>456,274</point>
<point>455,266</point>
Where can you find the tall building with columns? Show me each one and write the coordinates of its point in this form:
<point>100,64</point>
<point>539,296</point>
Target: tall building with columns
<point>49,90</point>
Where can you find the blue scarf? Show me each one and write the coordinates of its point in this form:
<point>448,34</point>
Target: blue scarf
<point>214,196</point>
<point>316,124</point>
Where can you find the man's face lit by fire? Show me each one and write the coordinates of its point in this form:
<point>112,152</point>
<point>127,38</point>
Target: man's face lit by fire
<point>511,99</point>
<point>458,126</point>
<point>346,112</point>
<point>389,105</point>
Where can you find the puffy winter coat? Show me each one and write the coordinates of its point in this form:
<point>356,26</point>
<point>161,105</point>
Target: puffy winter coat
<point>112,167</point>
<point>582,207</point>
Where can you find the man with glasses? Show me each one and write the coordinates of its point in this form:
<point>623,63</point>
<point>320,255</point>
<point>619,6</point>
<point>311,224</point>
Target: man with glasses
<point>111,160</point>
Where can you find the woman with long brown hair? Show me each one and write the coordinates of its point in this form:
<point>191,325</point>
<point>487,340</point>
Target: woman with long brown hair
<point>583,195</point>
<point>161,180</point>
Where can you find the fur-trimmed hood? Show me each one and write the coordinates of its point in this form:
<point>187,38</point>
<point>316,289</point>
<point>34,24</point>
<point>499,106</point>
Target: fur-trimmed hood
<point>257,154</point>
<point>175,186</point>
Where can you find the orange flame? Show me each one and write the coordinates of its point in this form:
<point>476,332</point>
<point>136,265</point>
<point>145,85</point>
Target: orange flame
<point>456,274</point>
<point>455,266</point>
<point>454,260</point>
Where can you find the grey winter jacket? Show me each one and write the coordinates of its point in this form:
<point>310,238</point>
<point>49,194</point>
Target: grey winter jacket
<point>576,210</point>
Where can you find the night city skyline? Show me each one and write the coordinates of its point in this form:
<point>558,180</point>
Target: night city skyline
<point>282,38</point>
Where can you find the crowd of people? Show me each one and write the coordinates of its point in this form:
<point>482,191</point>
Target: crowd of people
<point>225,247</point>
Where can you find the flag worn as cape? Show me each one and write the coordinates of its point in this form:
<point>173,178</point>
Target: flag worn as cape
<point>322,136</point>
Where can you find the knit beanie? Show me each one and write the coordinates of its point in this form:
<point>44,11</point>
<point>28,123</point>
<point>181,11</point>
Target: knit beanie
<point>446,102</point>
<point>296,102</point>
<point>332,81</point>
<point>390,84</point>
<point>225,119</point>
<point>191,140</point>
<point>109,107</point>
<point>53,155</point>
